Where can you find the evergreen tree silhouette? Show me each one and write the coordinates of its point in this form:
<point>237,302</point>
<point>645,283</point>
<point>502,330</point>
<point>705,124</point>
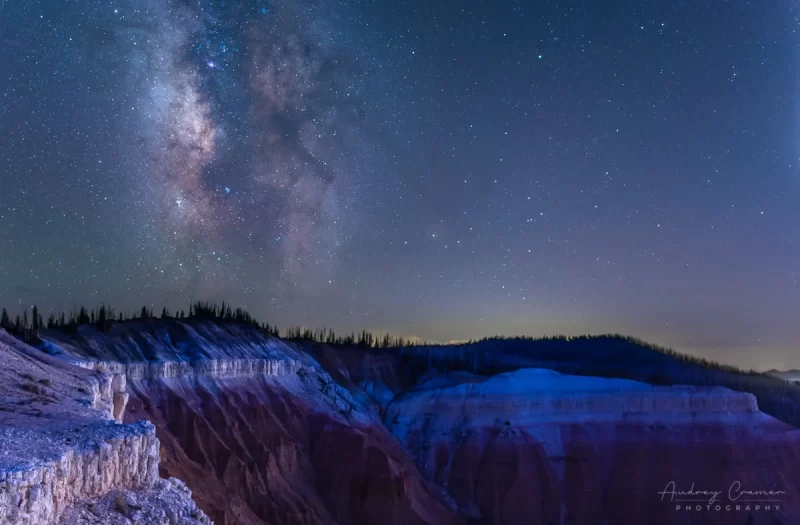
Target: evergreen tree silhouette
<point>102,319</point>
<point>35,320</point>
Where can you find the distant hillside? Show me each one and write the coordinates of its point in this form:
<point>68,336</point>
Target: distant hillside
<point>607,356</point>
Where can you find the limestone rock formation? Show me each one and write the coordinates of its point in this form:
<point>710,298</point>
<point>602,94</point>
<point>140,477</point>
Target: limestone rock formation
<point>59,443</point>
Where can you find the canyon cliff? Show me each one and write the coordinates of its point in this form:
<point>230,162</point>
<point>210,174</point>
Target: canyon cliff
<point>535,446</point>
<point>266,431</point>
<point>63,452</point>
<point>258,429</point>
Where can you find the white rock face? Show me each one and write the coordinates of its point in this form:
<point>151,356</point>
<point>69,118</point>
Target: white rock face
<point>61,444</point>
<point>204,368</point>
<point>128,460</point>
<point>534,396</point>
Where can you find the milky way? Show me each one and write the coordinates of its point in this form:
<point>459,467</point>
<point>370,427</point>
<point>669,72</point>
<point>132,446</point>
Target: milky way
<point>251,118</point>
<point>447,170</point>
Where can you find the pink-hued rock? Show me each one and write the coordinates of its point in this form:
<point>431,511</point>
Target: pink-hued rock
<point>534,446</point>
<point>267,431</point>
<point>283,450</point>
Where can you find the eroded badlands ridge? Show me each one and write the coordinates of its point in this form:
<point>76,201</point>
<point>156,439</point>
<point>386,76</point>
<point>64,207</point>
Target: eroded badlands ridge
<point>535,446</point>
<point>265,431</point>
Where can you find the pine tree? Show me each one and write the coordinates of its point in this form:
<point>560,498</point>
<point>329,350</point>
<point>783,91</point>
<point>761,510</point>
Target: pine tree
<point>35,320</point>
<point>5,321</point>
<point>143,315</point>
<point>102,319</point>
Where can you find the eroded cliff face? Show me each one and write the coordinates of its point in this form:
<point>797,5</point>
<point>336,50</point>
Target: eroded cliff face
<point>260,431</point>
<point>59,444</point>
<point>265,431</point>
<point>291,449</point>
<point>534,446</point>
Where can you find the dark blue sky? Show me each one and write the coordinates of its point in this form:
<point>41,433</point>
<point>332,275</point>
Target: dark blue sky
<point>448,170</point>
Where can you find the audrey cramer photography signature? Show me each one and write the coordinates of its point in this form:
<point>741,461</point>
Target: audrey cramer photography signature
<point>735,494</point>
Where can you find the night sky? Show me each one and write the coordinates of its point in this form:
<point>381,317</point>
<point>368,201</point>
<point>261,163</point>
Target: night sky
<point>447,170</point>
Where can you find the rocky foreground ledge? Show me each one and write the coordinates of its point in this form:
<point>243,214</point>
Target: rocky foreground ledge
<point>65,458</point>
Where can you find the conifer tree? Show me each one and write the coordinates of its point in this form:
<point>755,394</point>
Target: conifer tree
<point>102,319</point>
<point>35,320</point>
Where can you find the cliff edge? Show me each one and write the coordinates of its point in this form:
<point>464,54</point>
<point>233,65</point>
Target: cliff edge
<point>62,449</point>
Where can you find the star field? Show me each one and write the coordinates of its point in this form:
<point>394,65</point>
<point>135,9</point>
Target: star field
<point>447,170</point>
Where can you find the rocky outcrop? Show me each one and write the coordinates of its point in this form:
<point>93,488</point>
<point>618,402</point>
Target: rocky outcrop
<point>59,443</point>
<point>104,458</point>
<point>168,502</point>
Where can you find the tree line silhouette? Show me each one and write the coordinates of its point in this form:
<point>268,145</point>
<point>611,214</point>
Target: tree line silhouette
<point>105,317</point>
